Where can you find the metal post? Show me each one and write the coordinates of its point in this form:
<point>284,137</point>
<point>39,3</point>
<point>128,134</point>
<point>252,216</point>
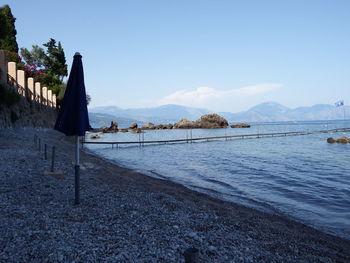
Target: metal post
<point>45,151</point>
<point>77,172</point>
<point>53,158</point>
<point>77,178</point>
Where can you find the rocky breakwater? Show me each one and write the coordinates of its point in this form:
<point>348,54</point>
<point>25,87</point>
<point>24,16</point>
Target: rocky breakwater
<point>151,126</point>
<point>240,125</point>
<point>207,121</point>
<point>113,128</point>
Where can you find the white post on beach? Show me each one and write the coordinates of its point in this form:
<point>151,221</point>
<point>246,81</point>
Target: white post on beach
<point>77,171</point>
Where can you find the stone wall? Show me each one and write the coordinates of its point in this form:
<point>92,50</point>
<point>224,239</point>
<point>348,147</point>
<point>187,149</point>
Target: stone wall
<point>26,113</point>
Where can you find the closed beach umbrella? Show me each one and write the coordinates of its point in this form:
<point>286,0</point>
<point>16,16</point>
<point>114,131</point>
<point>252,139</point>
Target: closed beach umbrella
<point>73,118</point>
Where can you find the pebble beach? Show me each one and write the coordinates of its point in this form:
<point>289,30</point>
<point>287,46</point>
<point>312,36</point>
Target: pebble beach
<point>125,216</point>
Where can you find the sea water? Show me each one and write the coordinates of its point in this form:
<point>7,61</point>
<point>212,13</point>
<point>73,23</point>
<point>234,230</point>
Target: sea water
<point>302,177</point>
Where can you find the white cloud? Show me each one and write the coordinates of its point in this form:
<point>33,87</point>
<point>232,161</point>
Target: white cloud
<point>210,98</point>
<point>187,97</point>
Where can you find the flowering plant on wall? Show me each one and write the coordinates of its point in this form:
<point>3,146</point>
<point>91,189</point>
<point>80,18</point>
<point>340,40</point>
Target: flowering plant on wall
<point>33,72</point>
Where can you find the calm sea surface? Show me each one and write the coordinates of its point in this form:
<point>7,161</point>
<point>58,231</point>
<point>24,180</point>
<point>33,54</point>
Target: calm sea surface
<point>301,177</point>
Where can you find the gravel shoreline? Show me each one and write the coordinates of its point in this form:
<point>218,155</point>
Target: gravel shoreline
<point>125,216</point>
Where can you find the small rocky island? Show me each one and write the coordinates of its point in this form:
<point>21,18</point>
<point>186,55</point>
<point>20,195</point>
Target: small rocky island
<point>207,121</point>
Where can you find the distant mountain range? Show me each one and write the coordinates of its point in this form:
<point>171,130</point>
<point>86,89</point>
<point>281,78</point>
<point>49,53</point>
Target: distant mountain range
<point>265,112</point>
<point>157,115</point>
<point>272,111</point>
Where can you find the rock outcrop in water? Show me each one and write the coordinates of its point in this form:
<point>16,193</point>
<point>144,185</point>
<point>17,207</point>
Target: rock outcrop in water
<point>331,140</point>
<point>112,129</point>
<point>211,121</point>
<point>184,124</point>
<point>207,121</point>
<point>340,140</point>
<point>164,126</point>
<point>343,140</point>
<point>148,126</point>
<point>133,126</point>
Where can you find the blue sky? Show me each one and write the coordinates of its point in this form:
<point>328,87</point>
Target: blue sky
<point>219,55</point>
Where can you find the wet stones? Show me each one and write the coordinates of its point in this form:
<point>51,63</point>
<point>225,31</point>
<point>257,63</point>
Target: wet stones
<point>342,140</point>
<point>133,126</point>
<point>148,126</point>
<point>96,136</point>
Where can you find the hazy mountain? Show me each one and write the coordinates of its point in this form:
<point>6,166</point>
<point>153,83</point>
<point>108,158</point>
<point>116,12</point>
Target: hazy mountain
<point>163,114</point>
<point>109,110</point>
<point>98,120</point>
<point>264,112</point>
<point>318,111</point>
<point>272,111</point>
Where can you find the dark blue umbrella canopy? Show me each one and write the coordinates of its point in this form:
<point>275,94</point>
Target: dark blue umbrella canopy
<point>73,118</point>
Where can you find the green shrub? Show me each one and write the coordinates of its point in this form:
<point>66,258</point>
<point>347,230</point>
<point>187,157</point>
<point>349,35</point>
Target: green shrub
<point>8,97</point>
<point>12,56</point>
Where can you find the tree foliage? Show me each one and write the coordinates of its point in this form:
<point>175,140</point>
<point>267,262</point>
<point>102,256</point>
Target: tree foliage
<point>46,65</point>
<point>8,33</point>
<point>7,30</point>
<point>55,61</point>
<point>34,58</point>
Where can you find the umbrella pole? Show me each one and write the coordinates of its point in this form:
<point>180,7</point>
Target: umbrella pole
<point>77,172</point>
